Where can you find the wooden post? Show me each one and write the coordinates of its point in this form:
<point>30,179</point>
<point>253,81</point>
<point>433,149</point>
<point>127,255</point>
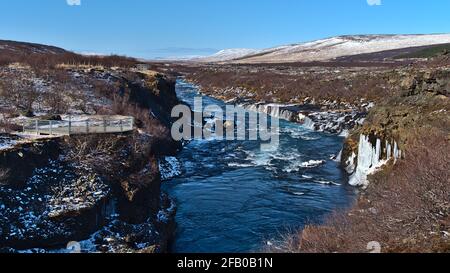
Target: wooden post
<point>37,127</point>
<point>121,126</point>
<point>104,125</point>
<point>51,127</point>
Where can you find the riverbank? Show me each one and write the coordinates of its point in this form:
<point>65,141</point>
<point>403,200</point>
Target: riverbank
<point>397,155</point>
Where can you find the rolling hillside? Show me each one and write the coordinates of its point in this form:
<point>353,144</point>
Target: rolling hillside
<point>332,48</point>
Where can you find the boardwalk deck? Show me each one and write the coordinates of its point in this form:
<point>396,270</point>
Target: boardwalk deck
<point>79,125</point>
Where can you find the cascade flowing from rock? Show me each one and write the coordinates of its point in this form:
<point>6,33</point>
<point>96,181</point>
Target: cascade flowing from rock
<point>307,122</point>
<point>329,117</point>
<point>274,110</point>
<point>371,157</point>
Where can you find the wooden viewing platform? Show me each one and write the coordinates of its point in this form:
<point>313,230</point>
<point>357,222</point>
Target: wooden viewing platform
<point>76,125</point>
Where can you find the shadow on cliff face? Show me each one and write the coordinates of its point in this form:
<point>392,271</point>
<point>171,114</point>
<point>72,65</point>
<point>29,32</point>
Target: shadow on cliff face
<point>156,93</point>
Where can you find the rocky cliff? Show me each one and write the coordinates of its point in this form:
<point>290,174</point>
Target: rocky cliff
<point>103,191</point>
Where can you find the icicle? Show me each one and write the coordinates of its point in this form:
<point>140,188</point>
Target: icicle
<point>388,150</point>
<point>396,152</point>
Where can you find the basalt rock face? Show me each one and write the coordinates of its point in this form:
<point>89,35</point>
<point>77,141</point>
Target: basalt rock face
<point>105,190</point>
<point>126,92</point>
<point>432,81</point>
<point>155,92</point>
<point>137,201</point>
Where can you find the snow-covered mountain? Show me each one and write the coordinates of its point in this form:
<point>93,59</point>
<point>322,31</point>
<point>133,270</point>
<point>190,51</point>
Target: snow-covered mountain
<point>228,55</point>
<point>328,49</point>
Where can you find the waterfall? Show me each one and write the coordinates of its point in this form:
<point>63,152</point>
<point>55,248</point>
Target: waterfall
<point>308,123</point>
<point>274,110</point>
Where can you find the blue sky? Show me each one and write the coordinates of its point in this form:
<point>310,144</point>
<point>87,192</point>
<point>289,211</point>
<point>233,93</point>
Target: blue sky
<point>161,28</point>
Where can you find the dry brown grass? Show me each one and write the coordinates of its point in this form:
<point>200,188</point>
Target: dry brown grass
<point>28,89</point>
<point>51,61</point>
<point>19,92</point>
<point>292,86</point>
<point>143,119</point>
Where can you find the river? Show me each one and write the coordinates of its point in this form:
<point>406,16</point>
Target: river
<point>234,197</point>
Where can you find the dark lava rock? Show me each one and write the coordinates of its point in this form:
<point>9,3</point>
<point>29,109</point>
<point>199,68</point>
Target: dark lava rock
<point>62,196</point>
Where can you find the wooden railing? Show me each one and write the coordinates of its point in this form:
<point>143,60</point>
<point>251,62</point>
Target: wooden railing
<point>79,125</point>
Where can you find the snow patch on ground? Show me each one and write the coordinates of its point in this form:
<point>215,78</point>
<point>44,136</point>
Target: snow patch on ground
<point>228,55</point>
<point>7,143</point>
<point>169,168</point>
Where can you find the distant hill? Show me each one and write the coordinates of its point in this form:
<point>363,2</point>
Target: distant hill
<point>228,54</point>
<point>333,48</point>
<point>29,48</point>
<point>38,55</point>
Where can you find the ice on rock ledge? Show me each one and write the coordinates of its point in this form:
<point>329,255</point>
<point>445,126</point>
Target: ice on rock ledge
<point>370,159</point>
<point>350,164</point>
